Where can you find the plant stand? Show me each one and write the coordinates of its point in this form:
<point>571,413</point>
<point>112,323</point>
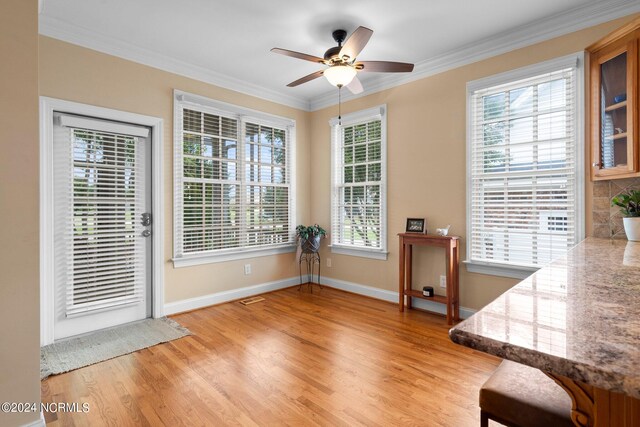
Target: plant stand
<point>310,259</point>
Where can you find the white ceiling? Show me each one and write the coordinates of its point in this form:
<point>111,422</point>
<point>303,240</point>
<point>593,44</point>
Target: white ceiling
<point>227,42</point>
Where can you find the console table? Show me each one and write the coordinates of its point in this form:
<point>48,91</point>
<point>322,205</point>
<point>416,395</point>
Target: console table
<point>451,245</point>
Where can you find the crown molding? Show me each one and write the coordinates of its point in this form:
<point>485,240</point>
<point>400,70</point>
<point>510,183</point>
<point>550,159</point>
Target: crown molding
<point>526,35</point>
<point>535,32</point>
<point>61,30</point>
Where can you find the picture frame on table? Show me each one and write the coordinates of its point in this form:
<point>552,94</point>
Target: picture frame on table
<point>416,225</point>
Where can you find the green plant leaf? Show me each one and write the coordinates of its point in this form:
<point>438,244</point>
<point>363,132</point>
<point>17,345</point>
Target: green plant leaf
<point>305,232</point>
<point>629,203</point>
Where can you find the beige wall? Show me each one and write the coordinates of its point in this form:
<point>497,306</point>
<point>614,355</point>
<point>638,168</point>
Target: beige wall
<point>426,154</point>
<point>19,289</point>
<point>427,166</point>
<point>82,75</point>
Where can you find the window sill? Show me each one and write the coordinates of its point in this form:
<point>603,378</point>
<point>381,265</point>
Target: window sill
<point>191,260</point>
<point>504,270</point>
<point>359,252</point>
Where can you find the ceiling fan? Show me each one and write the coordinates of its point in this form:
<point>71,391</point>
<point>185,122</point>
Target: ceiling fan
<point>341,60</point>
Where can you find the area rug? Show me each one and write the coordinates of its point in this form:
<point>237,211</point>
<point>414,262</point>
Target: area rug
<point>85,350</point>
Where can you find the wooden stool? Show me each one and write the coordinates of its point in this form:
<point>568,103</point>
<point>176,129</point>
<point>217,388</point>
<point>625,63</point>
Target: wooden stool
<point>521,396</point>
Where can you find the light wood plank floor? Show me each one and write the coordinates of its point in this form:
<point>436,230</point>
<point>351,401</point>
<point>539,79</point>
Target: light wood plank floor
<point>327,358</point>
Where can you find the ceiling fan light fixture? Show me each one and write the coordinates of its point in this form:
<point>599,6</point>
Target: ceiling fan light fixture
<point>340,75</point>
<point>341,61</point>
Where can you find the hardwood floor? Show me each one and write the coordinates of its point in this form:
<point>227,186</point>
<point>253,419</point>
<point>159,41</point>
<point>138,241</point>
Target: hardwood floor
<point>327,358</point>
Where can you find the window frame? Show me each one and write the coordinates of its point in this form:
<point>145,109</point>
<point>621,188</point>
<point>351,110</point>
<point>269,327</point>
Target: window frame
<point>242,115</point>
<point>375,113</point>
<point>575,60</point>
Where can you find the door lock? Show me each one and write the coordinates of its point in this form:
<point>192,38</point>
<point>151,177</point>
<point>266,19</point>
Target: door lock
<point>146,233</point>
<point>146,219</point>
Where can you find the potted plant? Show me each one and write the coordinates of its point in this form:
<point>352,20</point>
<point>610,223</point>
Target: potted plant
<point>629,204</point>
<point>309,237</point>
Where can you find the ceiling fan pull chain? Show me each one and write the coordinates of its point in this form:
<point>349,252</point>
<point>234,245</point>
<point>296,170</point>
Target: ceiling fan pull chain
<point>340,105</point>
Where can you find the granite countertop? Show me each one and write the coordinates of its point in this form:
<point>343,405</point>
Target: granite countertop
<point>578,317</point>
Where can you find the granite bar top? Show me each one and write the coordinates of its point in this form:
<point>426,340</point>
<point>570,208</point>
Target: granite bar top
<point>578,317</point>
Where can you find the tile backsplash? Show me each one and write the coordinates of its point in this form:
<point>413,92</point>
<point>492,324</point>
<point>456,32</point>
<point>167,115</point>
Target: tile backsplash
<point>607,220</point>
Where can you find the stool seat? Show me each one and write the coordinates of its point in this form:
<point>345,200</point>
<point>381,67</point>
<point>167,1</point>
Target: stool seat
<point>519,395</point>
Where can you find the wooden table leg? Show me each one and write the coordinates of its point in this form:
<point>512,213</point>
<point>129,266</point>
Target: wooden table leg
<point>401,275</point>
<point>409,255</point>
<point>456,283</point>
<point>449,262</point>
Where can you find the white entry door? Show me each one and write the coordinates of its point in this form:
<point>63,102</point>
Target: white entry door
<point>102,224</point>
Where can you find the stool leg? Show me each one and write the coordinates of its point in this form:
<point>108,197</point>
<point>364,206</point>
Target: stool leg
<point>484,419</point>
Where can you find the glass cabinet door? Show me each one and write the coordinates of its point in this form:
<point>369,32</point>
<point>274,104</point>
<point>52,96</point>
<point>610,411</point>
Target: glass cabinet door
<point>615,75</point>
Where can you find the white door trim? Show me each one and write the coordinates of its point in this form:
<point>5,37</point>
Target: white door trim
<point>47,107</point>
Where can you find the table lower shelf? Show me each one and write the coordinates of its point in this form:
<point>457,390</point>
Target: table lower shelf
<point>418,294</point>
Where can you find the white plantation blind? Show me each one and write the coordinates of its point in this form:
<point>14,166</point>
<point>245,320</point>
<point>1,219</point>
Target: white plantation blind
<point>233,187</point>
<point>358,208</point>
<point>523,177</point>
<point>99,253</point>
<point>267,185</point>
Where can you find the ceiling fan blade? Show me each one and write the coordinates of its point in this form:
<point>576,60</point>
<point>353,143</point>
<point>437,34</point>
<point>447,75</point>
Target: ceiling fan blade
<point>306,78</point>
<point>384,67</point>
<point>355,43</point>
<point>298,55</point>
<point>355,87</point>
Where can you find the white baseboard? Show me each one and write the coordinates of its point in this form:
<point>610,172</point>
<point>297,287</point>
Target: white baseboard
<point>234,294</point>
<point>390,296</point>
<point>356,288</point>
<point>40,422</point>
<point>225,296</point>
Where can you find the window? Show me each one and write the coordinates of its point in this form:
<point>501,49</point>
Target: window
<point>234,181</point>
<point>525,172</point>
<point>358,224</point>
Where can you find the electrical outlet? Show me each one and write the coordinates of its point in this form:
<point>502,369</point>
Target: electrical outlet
<point>328,262</point>
<point>443,281</point>
<point>247,269</point>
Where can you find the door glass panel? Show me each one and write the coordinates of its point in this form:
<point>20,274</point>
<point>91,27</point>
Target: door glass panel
<point>107,253</point>
<point>613,127</point>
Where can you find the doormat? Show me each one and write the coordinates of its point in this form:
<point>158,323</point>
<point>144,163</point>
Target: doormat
<point>87,349</point>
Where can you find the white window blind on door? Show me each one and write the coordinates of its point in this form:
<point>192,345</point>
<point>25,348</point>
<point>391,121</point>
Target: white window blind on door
<point>523,177</point>
<point>233,182</point>
<point>99,179</point>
